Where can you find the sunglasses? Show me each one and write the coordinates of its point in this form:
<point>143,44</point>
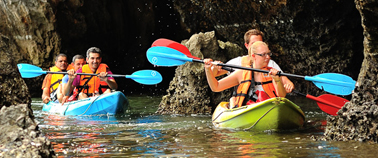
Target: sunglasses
<point>265,54</point>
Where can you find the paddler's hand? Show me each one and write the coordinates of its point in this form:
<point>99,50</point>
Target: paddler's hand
<point>207,63</point>
<point>71,74</point>
<point>289,87</point>
<point>65,98</point>
<point>103,76</point>
<point>46,99</point>
<point>219,68</point>
<point>274,73</point>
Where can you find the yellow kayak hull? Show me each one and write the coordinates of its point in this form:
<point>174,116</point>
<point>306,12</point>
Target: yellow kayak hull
<point>271,114</point>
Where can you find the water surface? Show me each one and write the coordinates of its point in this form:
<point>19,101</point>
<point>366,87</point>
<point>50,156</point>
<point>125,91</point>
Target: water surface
<point>141,133</point>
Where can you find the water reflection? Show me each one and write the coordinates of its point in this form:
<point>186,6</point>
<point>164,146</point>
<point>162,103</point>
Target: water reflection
<point>98,135</point>
<point>141,133</point>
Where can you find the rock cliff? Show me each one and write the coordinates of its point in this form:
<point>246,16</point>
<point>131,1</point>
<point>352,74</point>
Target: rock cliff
<point>357,120</point>
<point>26,32</point>
<point>189,92</point>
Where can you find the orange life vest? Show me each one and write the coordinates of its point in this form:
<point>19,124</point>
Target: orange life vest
<point>246,62</point>
<point>267,85</point>
<point>69,67</point>
<point>244,89</point>
<point>91,84</point>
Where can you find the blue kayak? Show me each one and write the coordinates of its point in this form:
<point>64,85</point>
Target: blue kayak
<point>108,104</point>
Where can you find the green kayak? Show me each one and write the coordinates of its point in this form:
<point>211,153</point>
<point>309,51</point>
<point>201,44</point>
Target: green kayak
<point>271,114</point>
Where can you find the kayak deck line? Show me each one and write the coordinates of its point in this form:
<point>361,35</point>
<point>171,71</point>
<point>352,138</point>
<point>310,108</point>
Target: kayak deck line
<point>276,113</point>
<point>108,104</point>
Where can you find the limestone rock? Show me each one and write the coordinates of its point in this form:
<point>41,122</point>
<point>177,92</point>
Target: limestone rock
<point>13,89</point>
<point>358,119</point>
<point>188,92</point>
<point>19,134</point>
<point>25,34</point>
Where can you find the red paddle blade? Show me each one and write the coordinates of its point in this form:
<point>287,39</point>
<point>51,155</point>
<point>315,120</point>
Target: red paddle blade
<point>174,45</point>
<point>329,103</point>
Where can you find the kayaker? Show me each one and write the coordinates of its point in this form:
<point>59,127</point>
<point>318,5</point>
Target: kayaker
<point>77,62</point>
<point>271,84</point>
<point>250,37</point>
<point>91,85</point>
<point>52,81</point>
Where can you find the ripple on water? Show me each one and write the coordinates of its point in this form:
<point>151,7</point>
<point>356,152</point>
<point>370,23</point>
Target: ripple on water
<point>141,133</point>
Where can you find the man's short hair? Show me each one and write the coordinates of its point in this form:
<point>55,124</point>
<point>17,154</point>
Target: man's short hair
<point>94,50</point>
<point>251,32</point>
<point>78,56</point>
<point>60,55</point>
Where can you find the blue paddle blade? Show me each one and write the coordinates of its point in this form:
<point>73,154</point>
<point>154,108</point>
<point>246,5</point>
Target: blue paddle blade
<point>148,77</point>
<point>333,83</point>
<point>29,71</point>
<point>165,56</point>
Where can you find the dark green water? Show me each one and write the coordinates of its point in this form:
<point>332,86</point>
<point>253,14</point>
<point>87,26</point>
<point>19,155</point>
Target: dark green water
<point>141,133</point>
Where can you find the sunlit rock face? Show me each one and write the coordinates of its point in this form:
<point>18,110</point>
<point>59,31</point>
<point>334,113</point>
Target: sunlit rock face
<point>188,92</point>
<point>24,35</point>
<point>14,32</point>
<point>357,120</point>
<point>13,89</point>
<point>27,28</point>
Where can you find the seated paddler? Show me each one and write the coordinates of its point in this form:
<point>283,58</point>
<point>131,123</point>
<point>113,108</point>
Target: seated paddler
<point>77,62</point>
<point>91,85</point>
<point>51,82</point>
<point>254,86</point>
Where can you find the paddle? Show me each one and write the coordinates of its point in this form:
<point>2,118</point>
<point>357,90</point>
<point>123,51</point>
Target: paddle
<point>174,45</point>
<point>147,77</point>
<point>328,103</point>
<point>331,82</point>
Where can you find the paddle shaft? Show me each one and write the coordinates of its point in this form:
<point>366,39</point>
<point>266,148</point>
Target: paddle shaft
<point>331,82</point>
<point>317,99</point>
<point>109,75</point>
<point>251,69</point>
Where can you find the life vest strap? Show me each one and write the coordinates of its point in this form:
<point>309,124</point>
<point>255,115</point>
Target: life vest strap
<point>245,81</point>
<point>100,88</point>
<point>262,83</point>
<point>85,86</point>
<point>56,82</point>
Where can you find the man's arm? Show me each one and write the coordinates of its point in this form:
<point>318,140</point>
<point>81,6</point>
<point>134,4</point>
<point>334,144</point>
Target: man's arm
<point>67,87</point>
<point>109,80</point>
<point>60,93</point>
<point>46,95</point>
<point>112,84</point>
<point>46,89</point>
